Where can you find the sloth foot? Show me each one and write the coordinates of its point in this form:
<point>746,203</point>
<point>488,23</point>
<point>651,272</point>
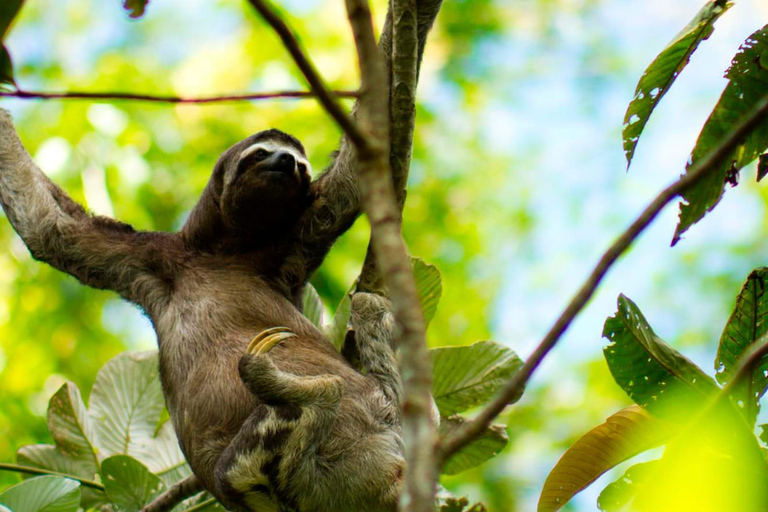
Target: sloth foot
<point>267,339</point>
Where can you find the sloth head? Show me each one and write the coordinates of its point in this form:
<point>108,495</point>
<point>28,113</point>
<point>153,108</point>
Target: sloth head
<point>258,189</point>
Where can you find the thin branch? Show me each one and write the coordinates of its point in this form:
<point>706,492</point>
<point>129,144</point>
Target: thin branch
<point>124,96</point>
<point>695,173</point>
<point>380,204</point>
<point>39,471</point>
<point>174,495</point>
<point>316,83</point>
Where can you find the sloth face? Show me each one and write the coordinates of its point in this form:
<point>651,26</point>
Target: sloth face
<point>266,184</point>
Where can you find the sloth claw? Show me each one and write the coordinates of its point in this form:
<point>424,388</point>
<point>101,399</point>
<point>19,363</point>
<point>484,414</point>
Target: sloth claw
<point>267,339</point>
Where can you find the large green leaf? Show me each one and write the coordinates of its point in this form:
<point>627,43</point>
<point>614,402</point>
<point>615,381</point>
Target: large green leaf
<point>623,435</point>
<point>49,457</point>
<point>661,74</point>
<point>748,322</point>
<point>312,305</point>
<point>618,494</point>
<point>72,428</point>
<point>465,377</point>
<point>747,86</point>
<point>130,485</point>
<point>485,446</point>
<point>163,456</point>
<point>651,372</point>
<point>126,403</point>
<point>43,494</point>
<point>429,286</point>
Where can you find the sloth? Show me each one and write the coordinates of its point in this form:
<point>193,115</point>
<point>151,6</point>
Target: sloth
<point>268,414</point>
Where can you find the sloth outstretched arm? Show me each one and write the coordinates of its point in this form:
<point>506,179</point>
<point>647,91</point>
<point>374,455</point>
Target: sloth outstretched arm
<point>99,251</point>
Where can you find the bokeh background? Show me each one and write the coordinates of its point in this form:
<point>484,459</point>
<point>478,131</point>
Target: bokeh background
<point>518,184</point>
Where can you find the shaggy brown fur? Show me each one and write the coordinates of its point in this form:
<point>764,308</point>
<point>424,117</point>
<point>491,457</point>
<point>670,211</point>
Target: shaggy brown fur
<point>295,425</point>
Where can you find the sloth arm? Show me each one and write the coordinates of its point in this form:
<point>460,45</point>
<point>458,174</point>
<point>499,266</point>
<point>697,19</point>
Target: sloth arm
<point>100,252</point>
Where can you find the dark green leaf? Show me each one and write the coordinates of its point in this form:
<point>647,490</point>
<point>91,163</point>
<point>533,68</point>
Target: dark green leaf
<point>623,435</point>
<point>312,305</point>
<point>6,68</point>
<point>748,79</point>
<point>129,484</point>
<point>748,322</point>
<point>465,377</point>
<point>618,494</point>
<point>762,166</point>
<point>764,433</point>
<point>8,11</point>
<point>429,287</point>
<point>485,446</point>
<point>651,372</point>
<point>663,71</point>
<point>43,494</point>
<point>135,8</point>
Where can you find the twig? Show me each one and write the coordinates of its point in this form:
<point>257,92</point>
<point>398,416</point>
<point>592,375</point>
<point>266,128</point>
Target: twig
<point>39,471</point>
<point>174,495</point>
<point>316,83</point>
<point>124,96</point>
<point>701,168</point>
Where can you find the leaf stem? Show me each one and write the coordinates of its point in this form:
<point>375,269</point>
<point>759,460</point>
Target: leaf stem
<point>695,173</point>
<point>202,505</point>
<point>39,471</point>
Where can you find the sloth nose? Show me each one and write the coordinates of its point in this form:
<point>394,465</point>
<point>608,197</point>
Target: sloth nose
<point>285,162</point>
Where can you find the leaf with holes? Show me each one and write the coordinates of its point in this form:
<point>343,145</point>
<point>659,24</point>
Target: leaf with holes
<point>748,322</point>
<point>72,428</point>
<point>42,494</point>
<point>429,287</point>
<point>126,403</point>
<point>465,377</point>
<point>130,485</point>
<point>135,8</point>
<point>625,434</point>
<point>484,447</point>
<point>747,78</point>
<point>312,305</point>
<point>663,71</point>
<point>651,372</point>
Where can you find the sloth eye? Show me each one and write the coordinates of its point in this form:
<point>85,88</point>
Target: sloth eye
<point>302,167</point>
<point>261,153</point>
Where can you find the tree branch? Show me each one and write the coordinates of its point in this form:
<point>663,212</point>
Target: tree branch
<point>174,495</point>
<point>123,96</point>
<point>39,471</point>
<point>380,204</point>
<point>699,170</point>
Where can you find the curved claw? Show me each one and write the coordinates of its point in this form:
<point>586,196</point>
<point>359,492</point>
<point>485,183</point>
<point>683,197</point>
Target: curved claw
<point>267,339</point>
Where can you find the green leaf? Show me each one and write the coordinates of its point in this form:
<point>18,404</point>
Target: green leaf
<point>661,74</point>
<point>126,403</point>
<point>429,287</point>
<point>6,68</point>
<point>625,434</point>
<point>49,457</point>
<point>72,428</point>
<point>336,331</point>
<point>163,456</point>
<point>130,485</point>
<point>485,446</point>
<point>312,305</point>
<point>748,322</point>
<point>135,8</point>
<point>9,9</point>
<point>748,76</point>
<point>43,494</point>
<point>764,433</point>
<point>465,377</point>
<point>618,494</point>
<point>651,372</point>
